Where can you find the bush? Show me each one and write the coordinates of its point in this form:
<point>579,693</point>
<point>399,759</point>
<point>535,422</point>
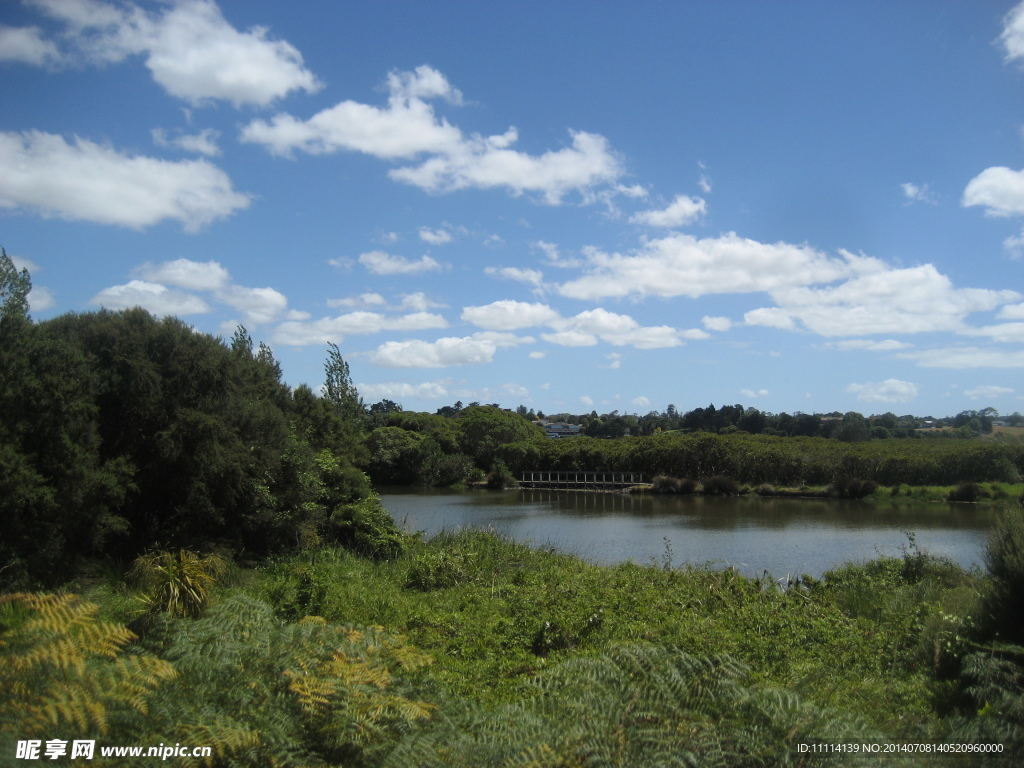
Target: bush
<point>966,492</point>
<point>1003,605</point>
<point>720,485</point>
<point>852,488</point>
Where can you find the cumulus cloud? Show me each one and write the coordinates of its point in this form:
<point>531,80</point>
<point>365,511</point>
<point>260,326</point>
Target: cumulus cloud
<point>681,211</point>
<point>582,330</point>
<point>396,390</point>
<point>407,128</point>
<point>435,236</point>
<point>194,275</point>
<point>682,265</point>
<point>531,277</point>
<point>885,300</point>
<point>204,142</point>
<point>256,305</point>
<point>716,323</point>
<point>1012,37</point>
<point>1012,312</point>
<point>999,190</point>
<point>188,46</point>
<point>753,394</point>
<point>158,299</point>
<point>870,345</point>
<point>772,317</point>
<point>381,263</point>
<point>444,352</point>
<point>90,182</point>
<point>988,392</point>
<point>508,315</point>
<point>28,46</point>
<point>888,391</point>
<point>334,329</point>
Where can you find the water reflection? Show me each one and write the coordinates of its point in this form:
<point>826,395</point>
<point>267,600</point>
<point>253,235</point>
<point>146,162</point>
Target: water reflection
<point>753,534</point>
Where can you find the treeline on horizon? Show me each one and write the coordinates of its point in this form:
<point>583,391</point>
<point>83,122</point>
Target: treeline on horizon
<point>121,432</point>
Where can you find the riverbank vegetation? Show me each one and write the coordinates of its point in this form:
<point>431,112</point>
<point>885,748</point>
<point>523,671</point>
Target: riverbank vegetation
<point>471,650</point>
<point>192,554</point>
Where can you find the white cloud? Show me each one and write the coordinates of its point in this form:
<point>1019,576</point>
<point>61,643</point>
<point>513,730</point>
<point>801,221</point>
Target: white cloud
<point>40,298</point>
<point>681,211</point>
<point>614,361</point>
<point>501,340</point>
<point>695,334</point>
<point>641,402</point>
<point>529,276</point>
<point>538,355</point>
<point>772,317</point>
<point>570,338</point>
<point>189,48</point>
<point>332,329</point>
<point>752,394</point>
<point>1009,333</point>
<point>257,305</point>
<point>435,236</point>
<point>158,299</point>
<point>485,163</point>
<point>419,302</point>
<point>888,391</point>
<point>681,265</point>
<point>381,263</point>
<point>90,182</point>
<point>1000,190</point>
<point>194,275</point>
<point>408,127</point>
<point>885,300</point>
<point>442,353</point>
<point>508,315</point>
<point>392,390</point>
<point>886,345</point>
<point>582,330</point>
<point>1013,33</point>
<point>587,400</point>
<point>716,323</point>
<point>987,392</point>
<point>362,300</point>
<point>1012,312</point>
<point>918,193</point>
<point>27,45</point>
<point>965,358</point>
<point>204,142</point>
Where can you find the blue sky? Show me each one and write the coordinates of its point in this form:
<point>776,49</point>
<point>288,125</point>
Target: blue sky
<point>796,206</point>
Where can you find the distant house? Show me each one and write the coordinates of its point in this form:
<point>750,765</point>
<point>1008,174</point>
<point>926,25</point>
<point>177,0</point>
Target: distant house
<point>556,429</point>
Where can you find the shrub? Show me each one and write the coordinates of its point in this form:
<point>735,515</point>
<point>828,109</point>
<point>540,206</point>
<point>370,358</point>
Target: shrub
<point>176,582</point>
<point>1003,605</point>
<point>851,488</point>
<point>438,569</point>
<point>720,485</point>
<point>965,492</point>
<point>367,528</point>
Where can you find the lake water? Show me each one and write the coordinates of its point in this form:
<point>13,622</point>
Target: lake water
<point>782,536</point>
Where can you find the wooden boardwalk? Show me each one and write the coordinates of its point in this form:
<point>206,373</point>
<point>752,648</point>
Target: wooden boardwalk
<point>580,480</point>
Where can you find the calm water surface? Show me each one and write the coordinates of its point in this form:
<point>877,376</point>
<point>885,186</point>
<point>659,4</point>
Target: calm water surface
<point>781,535</point>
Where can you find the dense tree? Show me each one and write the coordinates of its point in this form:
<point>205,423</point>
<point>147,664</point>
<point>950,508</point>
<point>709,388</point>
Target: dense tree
<point>339,390</point>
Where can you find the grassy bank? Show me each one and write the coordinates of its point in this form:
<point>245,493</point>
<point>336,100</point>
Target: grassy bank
<point>470,624</point>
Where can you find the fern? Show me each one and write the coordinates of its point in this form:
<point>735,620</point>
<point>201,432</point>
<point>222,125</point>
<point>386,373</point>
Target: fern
<point>63,668</point>
<point>300,694</point>
<point>634,706</point>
